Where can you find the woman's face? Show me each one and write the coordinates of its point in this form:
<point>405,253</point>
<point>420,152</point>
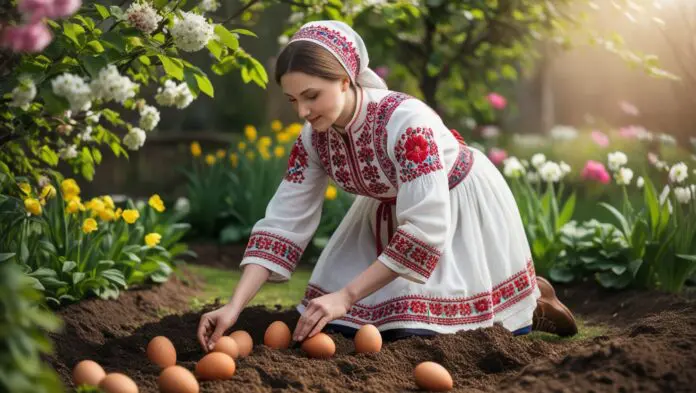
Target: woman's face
<point>317,100</point>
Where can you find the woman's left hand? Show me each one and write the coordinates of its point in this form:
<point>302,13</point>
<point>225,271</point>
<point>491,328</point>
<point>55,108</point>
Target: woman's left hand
<point>321,311</point>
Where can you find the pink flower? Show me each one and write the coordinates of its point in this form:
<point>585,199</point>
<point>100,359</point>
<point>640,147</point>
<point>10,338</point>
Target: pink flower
<point>31,38</point>
<point>600,138</point>
<point>628,132</point>
<point>36,9</point>
<point>382,71</point>
<point>629,108</point>
<point>496,100</point>
<point>63,8</point>
<point>497,156</point>
<point>653,158</point>
<point>596,171</point>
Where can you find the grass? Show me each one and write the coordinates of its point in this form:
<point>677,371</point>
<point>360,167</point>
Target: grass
<point>585,332</point>
<point>220,283</point>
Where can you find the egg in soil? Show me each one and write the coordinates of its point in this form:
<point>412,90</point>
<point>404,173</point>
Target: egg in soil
<point>368,339</point>
<point>177,379</point>
<point>432,376</point>
<point>244,342</point>
<point>277,335</point>
<point>215,366</point>
<point>118,383</point>
<point>161,352</point>
<point>319,346</point>
<point>88,372</point>
<point>227,345</point>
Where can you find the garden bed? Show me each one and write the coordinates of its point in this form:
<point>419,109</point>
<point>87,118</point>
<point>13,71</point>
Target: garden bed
<point>648,346</point>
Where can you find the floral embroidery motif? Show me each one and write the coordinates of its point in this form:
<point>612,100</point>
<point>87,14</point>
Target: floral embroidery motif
<point>412,253</point>
<point>417,153</point>
<point>274,248</point>
<point>387,106</point>
<point>336,42</point>
<point>461,168</point>
<point>446,312</point>
<point>297,162</point>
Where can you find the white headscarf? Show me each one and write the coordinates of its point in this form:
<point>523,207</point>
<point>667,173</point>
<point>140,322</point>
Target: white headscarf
<point>346,45</point>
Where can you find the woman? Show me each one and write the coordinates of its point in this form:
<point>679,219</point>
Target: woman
<point>433,243</point>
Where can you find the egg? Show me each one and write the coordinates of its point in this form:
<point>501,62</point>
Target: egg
<point>432,376</point>
<point>227,345</point>
<point>177,379</point>
<point>118,383</point>
<point>88,372</point>
<point>319,346</point>
<point>215,365</point>
<point>161,352</point>
<point>244,342</point>
<point>368,339</point>
<point>277,335</point>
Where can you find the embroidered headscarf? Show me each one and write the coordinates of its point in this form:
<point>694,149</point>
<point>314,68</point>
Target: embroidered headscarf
<point>346,45</point>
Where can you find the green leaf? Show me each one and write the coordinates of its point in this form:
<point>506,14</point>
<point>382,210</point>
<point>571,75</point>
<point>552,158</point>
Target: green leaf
<point>48,155</point>
<point>114,276</point>
<point>5,256</point>
<point>622,220</point>
<point>226,37</point>
<point>68,266</point>
<point>117,12</point>
<point>73,31</point>
<point>173,67</point>
<point>103,11</point>
<point>53,104</point>
<point>244,32</point>
<point>227,64</point>
<point>96,46</point>
<point>215,48</point>
<point>231,234</point>
<point>94,64</point>
<point>205,85</point>
<point>508,72</point>
<point>566,213</point>
<point>561,274</point>
<point>478,14</point>
<point>114,40</point>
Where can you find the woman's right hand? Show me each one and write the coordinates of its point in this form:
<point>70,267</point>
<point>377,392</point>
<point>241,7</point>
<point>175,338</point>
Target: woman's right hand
<point>213,325</point>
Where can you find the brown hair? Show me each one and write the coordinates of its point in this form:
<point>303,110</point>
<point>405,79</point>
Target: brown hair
<point>311,59</point>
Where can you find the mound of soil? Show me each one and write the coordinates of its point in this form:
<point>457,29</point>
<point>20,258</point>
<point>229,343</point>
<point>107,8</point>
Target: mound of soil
<point>653,353</point>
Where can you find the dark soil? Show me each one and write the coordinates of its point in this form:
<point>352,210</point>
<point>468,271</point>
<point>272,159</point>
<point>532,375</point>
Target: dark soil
<point>650,348</point>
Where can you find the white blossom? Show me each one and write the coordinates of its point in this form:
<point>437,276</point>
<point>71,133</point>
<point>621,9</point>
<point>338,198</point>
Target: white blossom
<point>667,139</point>
<point>565,168</point>
<point>640,182</point>
<point>533,177</point>
<point>538,160</point>
<point>678,173</point>
<point>92,117</point>
<point>86,135</point>
<point>112,86</point>
<point>135,139</point>
<point>470,123</point>
<point>296,17</point>
<point>192,32</point>
<point>182,205</point>
<point>617,160</point>
<point>143,17</point>
<point>661,166</point>
<point>174,95</point>
<point>149,118</point>
<point>74,89</point>
<point>208,5</point>
<point>643,135</point>
<point>23,94</point>
<point>623,176</point>
<point>283,40</point>
<point>68,152</point>
<point>664,195</point>
<point>683,194</point>
<point>513,168</point>
<point>563,133</point>
<point>551,172</point>
<point>490,132</point>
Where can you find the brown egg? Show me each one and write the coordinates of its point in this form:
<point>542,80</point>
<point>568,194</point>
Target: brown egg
<point>215,365</point>
<point>244,342</point>
<point>368,339</point>
<point>88,372</point>
<point>177,379</point>
<point>227,345</point>
<point>161,352</point>
<point>277,335</point>
<point>432,376</point>
<point>118,383</point>
<point>319,346</point>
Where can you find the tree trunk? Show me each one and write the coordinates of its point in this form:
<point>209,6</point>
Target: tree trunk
<point>428,86</point>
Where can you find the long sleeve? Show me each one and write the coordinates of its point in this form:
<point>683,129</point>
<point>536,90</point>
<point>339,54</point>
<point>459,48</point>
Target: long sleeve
<point>423,202</point>
<point>278,240</point>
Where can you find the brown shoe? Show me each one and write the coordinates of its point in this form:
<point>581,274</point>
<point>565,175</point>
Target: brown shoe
<point>551,315</point>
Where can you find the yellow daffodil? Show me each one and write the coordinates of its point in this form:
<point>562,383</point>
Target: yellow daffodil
<point>234,159</point>
<point>108,202</point>
<point>210,159</point>
<point>48,192</point>
<point>89,225</point>
<point>294,129</point>
<point>26,188</point>
<point>33,206</point>
<point>130,215</point>
<point>279,151</point>
<point>284,137</point>
<point>276,125</point>
<point>96,205</point>
<point>70,188</point>
<point>331,193</point>
<point>75,206</point>
<point>265,141</point>
<point>265,154</point>
<point>220,153</point>
<point>196,150</point>
<point>250,155</point>
<point>241,146</point>
<point>117,214</point>
<point>156,203</point>
<point>152,239</point>
<point>107,215</point>
<point>250,133</point>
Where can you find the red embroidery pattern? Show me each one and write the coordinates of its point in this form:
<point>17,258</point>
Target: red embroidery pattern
<point>297,162</point>
<point>461,168</point>
<point>412,253</point>
<point>274,248</point>
<point>440,311</point>
<point>417,153</point>
<point>336,42</point>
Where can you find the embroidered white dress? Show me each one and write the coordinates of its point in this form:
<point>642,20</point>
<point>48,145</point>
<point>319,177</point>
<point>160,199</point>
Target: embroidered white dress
<point>429,207</point>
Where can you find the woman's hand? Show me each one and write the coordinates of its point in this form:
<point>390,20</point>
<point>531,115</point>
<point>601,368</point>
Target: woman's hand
<point>214,324</point>
<point>321,311</point>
